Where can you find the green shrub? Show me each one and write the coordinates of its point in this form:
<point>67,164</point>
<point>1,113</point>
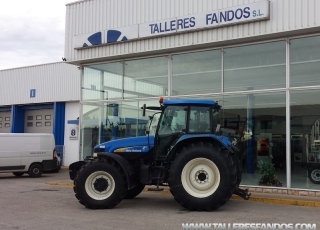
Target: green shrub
<point>268,176</point>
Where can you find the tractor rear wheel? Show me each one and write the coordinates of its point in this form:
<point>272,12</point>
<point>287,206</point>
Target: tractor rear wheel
<point>100,184</point>
<point>238,166</point>
<point>202,177</point>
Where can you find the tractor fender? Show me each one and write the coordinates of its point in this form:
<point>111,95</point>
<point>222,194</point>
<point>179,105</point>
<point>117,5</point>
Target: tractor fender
<point>74,168</point>
<point>184,141</point>
<point>131,176</point>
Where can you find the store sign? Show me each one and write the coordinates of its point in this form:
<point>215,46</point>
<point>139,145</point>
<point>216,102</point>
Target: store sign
<point>73,135</point>
<point>240,14</point>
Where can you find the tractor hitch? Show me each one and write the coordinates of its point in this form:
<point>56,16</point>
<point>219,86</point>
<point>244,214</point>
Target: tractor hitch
<point>244,193</point>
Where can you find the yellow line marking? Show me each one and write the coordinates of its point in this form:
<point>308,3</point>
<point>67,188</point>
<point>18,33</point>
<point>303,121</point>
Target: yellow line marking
<point>59,183</point>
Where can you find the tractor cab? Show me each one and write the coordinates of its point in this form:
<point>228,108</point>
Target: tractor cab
<point>181,117</point>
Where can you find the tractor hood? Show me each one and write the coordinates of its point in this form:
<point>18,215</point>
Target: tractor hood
<point>131,144</point>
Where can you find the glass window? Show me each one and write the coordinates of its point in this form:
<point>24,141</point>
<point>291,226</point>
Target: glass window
<point>173,120</point>
<point>258,122</point>
<point>38,124</point>
<point>146,77</point>
<point>252,67</point>
<point>47,123</point>
<point>199,119</point>
<point>29,124</point>
<point>109,121</point>
<point>305,61</point>
<point>152,114</point>
<point>305,139</point>
<point>38,117</point>
<point>0,118</point>
<point>7,118</point>
<point>196,73</point>
<point>0,125</point>
<point>90,125</point>
<point>48,117</point>
<point>102,81</point>
<point>7,125</point>
<point>30,118</point>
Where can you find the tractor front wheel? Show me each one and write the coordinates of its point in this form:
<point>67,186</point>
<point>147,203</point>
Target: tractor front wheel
<point>100,184</point>
<point>202,177</point>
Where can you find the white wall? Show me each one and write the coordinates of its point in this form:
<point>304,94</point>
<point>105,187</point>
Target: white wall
<point>71,147</point>
<point>53,82</point>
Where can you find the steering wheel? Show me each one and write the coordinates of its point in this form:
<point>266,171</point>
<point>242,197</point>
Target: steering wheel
<point>178,127</point>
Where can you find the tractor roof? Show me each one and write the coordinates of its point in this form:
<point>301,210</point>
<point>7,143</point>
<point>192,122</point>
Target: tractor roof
<point>189,102</point>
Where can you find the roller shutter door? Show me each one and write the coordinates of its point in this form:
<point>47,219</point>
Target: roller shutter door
<point>38,121</point>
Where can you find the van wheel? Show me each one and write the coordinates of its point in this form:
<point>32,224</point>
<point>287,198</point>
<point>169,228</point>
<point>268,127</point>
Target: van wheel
<point>18,174</point>
<point>35,170</point>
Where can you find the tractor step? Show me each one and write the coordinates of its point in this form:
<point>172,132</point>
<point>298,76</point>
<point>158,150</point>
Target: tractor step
<point>155,189</point>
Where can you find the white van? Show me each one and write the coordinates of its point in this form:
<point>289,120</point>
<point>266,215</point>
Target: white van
<point>30,153</point>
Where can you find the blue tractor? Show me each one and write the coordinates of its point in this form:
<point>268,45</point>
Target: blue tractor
<point>182,149</point>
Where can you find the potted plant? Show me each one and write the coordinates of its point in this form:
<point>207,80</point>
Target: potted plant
<point>268,176</point>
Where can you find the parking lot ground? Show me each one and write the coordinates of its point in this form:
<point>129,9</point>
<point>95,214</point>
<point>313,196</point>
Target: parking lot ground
<point>31,204</point>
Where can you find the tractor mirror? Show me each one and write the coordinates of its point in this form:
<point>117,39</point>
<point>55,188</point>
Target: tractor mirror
<point>144,110</point>
<point>218,128</point>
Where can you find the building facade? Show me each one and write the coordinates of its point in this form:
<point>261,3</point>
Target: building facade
<point>258,58</point>
<point>43,99</point>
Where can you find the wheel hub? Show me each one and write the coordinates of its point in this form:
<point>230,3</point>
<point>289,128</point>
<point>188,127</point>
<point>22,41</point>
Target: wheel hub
<point>201,176</point>
<point>101,184</point>
<point>316,175</point>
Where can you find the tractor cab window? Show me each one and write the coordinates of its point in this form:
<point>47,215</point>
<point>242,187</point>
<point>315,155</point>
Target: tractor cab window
<point>215,120</point>
<point>153,123</point>
<point>199,119</point>
<point>173,120</point>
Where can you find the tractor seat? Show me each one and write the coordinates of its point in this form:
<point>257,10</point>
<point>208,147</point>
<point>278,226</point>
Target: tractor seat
<point>203,127</point>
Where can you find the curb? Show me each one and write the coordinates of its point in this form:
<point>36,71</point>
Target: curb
<point>280,201</point>
<point>234,197</point>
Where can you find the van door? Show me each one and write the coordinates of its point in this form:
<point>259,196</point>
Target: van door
<point>10,157</point>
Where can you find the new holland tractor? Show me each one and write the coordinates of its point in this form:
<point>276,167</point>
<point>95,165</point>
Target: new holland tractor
<point>185,151</point>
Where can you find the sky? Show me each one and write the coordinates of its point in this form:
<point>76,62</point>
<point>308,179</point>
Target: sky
<point>32,32</point>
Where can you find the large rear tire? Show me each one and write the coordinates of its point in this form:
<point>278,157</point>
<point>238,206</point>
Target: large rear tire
<point>100,185</point>
<point>238,166</point>
<point>135,191</point>
<point>202,177</point>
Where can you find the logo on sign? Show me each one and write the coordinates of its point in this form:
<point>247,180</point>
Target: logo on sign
<point>115,36</point>
<point>94,39</point>
<point>73,134</point>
